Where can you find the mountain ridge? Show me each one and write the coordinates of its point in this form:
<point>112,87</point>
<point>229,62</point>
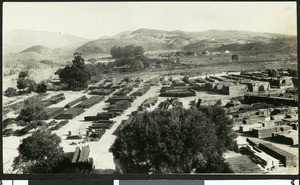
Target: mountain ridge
<point>20,39</point>
<point>151,39</point>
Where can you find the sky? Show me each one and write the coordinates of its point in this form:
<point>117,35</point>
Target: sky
<point>95,19</point>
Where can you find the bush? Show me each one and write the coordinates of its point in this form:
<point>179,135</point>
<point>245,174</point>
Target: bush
<point>10,92</point>
<point>23,74</point>
<point>32,110</point>
<point>41,88</point>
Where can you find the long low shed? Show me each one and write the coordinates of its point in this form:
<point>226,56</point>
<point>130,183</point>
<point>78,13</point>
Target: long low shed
<point>286,158</point>
<point>90,102</point>
<point>114,99</point>
<point>76,155</point>
<point>100,125</point>
<point>54,99</point>
<point>51,112</point>
<point>70,104</point>
<point>70,113</point>
<point>84,155</point>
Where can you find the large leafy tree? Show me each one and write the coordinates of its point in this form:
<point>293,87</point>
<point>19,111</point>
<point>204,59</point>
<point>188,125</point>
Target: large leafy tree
<point>39,153</point>
<point>223,127</point>
<point>22,83</point>
<point>32,110</point>
<point>169,141</point>
<point>76,75</point>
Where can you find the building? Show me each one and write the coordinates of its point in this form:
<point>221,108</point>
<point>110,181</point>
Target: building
<point>277,101</point>
<point>286,159</point>
<point>282,81</point>
<point>290,138</point>
<point>258,87</point>
<point>266,132</point>
<point>235,89</point>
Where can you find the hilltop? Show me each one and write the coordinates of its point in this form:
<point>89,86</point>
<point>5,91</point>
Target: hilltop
<point>153,40</point>
<point>18,40</point>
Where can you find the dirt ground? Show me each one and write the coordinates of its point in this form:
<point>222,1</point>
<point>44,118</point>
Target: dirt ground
<point>99,150</point>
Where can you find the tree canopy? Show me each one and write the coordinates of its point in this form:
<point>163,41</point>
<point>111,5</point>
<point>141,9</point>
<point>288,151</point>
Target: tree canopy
<point>32,110</point>
<point>39,153</point>
<point>172,141</point>
<point>25,83</point>
<point>10,92</point>
<point>76,75</point>
<point>129,51</point>
<point>23,74</point>
<point>235,57</point>
<point>292,72</point>
<point>272,73</point>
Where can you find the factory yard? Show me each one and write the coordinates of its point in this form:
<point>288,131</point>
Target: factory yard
<point>224,89</point>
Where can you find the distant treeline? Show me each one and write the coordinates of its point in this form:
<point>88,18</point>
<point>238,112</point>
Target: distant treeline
<point>135,64</point>
<point>129,51</point>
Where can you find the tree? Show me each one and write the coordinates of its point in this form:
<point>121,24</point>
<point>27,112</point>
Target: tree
<point>234,57</point>
<point>76,75</point>
<point>32,86</point>
<point>23,74</point>
<point>22,84</point>
<point>32,110</point>
<point>129,51</point>
<point>169,141</point>
<point>292,72</point>
<point>10,92</point>
<point>272,73</point>
<point>39,153</point>
<point>185,79</point>
<point>26,84</point>
<point>223,127</point>
<point>41,88</point>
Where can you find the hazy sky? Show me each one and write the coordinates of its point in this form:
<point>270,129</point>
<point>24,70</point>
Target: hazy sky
<point>96,19</point>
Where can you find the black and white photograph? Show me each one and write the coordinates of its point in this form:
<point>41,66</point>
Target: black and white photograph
<point>120,88</point>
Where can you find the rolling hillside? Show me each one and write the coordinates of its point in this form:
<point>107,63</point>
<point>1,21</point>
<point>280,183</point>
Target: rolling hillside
<point>287,44</point>
<point>154,40</point>
<point>18,40</point>
<point>32,56</point>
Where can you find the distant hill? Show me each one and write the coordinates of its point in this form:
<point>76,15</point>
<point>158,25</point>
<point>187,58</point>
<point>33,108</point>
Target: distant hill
<point>19,40</point>
<point>23,47</point>
<point>37,49</point>
<point>154,40</point>
<point>283,44</point>
<point>34,55</point>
